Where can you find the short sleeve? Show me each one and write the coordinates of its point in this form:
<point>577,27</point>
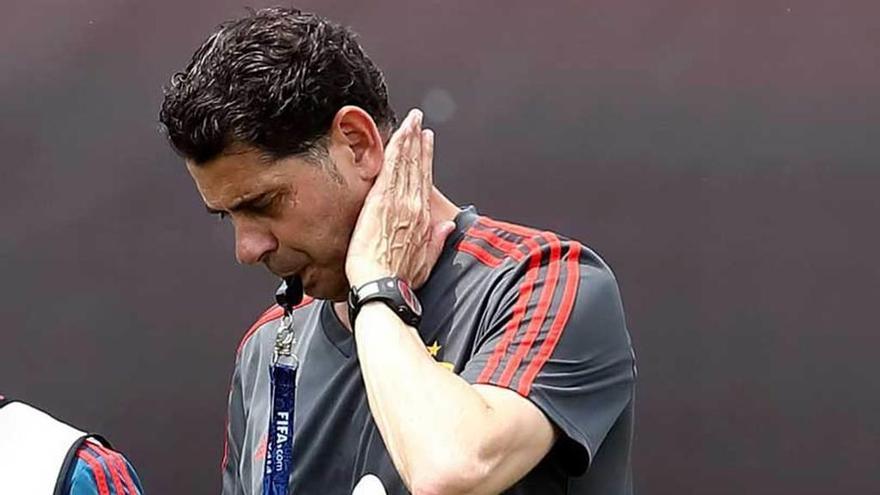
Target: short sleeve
<point>558,337</point>
<point>234,438</point>
<point>100,470</point>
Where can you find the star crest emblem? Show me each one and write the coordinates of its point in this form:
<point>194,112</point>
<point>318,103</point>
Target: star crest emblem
<point>434,349</point>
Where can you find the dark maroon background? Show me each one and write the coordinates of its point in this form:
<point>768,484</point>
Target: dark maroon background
<point>722,156</point>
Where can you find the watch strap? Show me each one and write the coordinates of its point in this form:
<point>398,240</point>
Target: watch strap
<point>394,292</point>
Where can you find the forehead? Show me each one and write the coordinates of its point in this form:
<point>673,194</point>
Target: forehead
<point>236,175</point>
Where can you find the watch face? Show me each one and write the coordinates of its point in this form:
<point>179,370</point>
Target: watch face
<point>409,297</point>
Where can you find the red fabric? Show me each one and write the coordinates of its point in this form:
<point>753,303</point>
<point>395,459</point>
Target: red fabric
<point>97,469</point>
<point>497,242</point>
<point>519,312</point>
<point>510,227</point>
<point>536,323</point>
<point>119,466</point>
<point>273,313</point>
<point>571,286</point>
<point>479,253</point>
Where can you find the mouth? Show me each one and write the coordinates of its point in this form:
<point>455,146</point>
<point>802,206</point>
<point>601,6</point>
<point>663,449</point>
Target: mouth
<point>304,273</point>
<point>281,273</point>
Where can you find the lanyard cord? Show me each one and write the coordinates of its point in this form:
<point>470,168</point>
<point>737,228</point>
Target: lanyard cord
<point>279,448</point>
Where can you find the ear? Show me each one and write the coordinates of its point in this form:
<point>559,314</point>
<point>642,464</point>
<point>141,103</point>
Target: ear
<point>355,131</point>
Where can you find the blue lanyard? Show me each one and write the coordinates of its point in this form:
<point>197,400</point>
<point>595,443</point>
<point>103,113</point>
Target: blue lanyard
<point>279,448</point>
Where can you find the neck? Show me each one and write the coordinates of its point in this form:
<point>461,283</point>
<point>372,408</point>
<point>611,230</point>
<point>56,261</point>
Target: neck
<point>442,209</point>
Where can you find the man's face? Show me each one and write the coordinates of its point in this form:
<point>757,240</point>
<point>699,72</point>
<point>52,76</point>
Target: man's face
<point>293,215</point>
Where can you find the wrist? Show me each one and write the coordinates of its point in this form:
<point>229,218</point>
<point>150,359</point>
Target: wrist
<point>377,321</point>
<point>392,292</point>
<point>365,273</point>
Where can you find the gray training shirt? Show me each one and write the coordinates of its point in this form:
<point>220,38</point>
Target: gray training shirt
<point>505,305</point>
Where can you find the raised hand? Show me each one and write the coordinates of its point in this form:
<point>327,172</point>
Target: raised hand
<point>395,234</point>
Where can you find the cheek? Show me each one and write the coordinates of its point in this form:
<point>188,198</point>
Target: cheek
<point>337,229</point>
<point>321,230</point>
<point>319,216</point>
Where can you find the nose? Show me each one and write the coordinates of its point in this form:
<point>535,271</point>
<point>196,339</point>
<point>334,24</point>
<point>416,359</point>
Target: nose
<point>252,241</point>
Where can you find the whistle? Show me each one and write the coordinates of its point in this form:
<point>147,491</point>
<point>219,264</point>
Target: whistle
<point>289,293</point>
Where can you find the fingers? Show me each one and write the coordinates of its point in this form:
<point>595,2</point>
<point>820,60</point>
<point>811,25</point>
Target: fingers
<point>427,161</point>
<point>402,193</point>
<point>396,151</point>
<point>401,131</point>
<point>413,165</point>
<point>402,155</point>
<point>407,169</point>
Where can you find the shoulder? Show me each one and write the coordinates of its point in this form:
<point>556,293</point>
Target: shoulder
<point>269,316</point>
<point>100,468</point>
<point>493,243</point>
<point>518,249</point>
<point>549,281</point>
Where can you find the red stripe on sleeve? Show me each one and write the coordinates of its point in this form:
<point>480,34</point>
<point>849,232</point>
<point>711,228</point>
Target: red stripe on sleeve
<point>97,469</point>
<point>102,454</point>
<point>118,462</point>
<point>273,313</point>
<point>270,314</point>
<point>519,312</point>
<point>115,475</point>
<point>495,241</point>
<point>225,458</point>
<point>510,227</point>
<point>536,324</point>
<point>559,322</point>
<point>479,253</point>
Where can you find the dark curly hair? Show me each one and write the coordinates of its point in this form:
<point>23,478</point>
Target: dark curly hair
<point>273,80</point>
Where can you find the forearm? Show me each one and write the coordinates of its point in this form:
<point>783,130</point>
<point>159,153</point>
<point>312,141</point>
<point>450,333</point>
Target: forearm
<point>443,434</point>
<point>432,421</point>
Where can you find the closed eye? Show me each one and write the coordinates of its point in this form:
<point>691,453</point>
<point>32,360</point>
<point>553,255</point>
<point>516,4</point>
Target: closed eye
<point>263,205</point>
<point>220,214</point>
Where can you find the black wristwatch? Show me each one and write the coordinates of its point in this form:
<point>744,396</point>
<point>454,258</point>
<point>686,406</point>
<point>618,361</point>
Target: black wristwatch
<point>392,291</point>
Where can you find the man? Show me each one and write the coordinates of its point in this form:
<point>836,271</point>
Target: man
<point>42,455</point>
<point>515,375</point>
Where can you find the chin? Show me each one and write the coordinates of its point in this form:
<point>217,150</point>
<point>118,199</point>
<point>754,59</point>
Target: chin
<point>327,296</point>
<point>335,290</point>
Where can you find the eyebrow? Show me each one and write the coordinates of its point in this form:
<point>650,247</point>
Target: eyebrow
<point>241,204</point>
